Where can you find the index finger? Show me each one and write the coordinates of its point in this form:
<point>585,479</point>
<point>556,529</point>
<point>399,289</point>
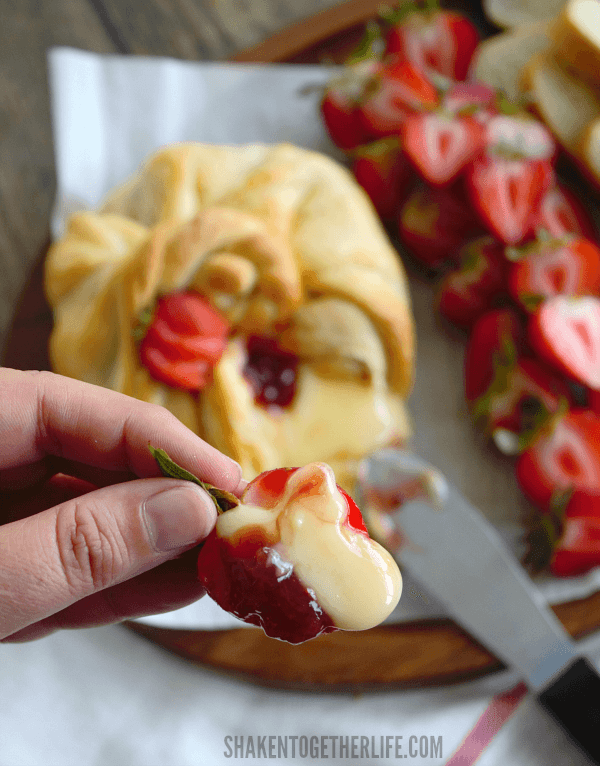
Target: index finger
<point>47,414</point>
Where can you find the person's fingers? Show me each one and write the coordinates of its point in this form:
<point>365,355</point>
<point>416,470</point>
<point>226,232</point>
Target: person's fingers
<point>55,490</point>
<point>171,585</point>
<point>93,542</point>
<point>23,476</point>
<point>51,414</point>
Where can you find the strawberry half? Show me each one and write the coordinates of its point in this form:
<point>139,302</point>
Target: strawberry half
<point>548,267</point>
<point>507,193</point>
<point>441,144</point>
<point>294,558</point>
<point>566,332</point>
<point>564,455</point>
<point>382,169</point>
<point>560,212</point>
<point>433,39</point>
<point>469,291</point>
<point>395,92</point>
<point>434,224</point>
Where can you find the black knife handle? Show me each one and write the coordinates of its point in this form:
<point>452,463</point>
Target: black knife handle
<point>574,701</point>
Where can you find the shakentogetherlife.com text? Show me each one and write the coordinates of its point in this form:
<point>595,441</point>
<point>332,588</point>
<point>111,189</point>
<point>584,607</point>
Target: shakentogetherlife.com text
<point>424,747</point>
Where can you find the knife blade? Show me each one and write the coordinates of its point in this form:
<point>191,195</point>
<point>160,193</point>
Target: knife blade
<point>461,559</point>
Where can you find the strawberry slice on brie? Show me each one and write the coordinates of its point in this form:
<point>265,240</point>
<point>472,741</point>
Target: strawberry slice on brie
<point>295,558</point>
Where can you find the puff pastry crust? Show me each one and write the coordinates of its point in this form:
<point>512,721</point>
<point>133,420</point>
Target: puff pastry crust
<point>283,242</point>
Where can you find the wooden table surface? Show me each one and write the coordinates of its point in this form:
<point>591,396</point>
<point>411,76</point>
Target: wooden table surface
<point>184,29</point>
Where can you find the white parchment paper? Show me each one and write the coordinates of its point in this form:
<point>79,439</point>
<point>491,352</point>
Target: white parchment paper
<point>109,112</point>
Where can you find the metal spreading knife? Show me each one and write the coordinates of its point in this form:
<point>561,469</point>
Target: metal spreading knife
<point>461,559</point>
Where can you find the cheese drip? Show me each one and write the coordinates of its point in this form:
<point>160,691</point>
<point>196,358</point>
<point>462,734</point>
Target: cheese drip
<point>355,580</point>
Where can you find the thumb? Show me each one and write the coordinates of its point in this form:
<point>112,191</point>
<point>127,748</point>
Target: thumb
<point>99,539</point>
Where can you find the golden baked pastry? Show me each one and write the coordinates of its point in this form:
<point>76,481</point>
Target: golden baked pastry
<point>285,244</point>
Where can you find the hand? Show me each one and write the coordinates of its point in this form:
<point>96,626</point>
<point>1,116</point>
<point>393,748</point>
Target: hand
<point>90,533</point>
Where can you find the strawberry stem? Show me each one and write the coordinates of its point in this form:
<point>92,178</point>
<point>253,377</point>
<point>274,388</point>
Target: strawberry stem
<point>223,500</point>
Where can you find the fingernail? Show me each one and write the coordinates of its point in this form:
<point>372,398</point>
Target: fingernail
<point>179,517</point>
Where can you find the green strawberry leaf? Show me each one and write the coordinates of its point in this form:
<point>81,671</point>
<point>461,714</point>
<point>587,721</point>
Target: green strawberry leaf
<point>223,500</point>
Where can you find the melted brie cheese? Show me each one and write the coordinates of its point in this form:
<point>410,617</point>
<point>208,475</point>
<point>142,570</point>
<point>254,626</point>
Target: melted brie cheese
<point>355,580</point>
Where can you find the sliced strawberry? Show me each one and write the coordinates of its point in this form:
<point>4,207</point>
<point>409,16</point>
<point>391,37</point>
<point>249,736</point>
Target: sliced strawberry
<point>497,338</point>
<point>442,41</point>
<point>471,98</point>
<point>435,223</point>
<point>519,136</point>
<point>578,549</point>
<point>441,145</point>
<point>507,192</point>
<point>396,91</point>
<point>561,212</point>
<point>565,455</point>
<point>566,332</point>
<point>383,170</point>
<point>548,267</point>
<point>469,291</point>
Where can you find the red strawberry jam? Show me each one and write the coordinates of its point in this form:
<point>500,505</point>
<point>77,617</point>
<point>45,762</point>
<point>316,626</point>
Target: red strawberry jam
<point>248,579</point>
<point>271,371</point>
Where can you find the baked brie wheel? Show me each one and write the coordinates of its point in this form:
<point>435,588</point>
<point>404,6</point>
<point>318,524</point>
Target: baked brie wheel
<point>287,249</point>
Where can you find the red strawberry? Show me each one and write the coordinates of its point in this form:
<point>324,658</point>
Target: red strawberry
<point>518,135</point>
<point>564,455</point>
<point>496,340</point>
<point>441,145</point>
<point>435,223</point>
<point>435,39</point>
<point>507,192</point>
<point>475,98</point>
<point>561,212</point>
<point>566,332</point>
<point>469,291</point>
<point>294,558</point>
<point>384,172</point>
<point>185,339</point>
<point>566,537</point>
<point>339,106</point>
<point>548,267</point>
<point>396,91</point>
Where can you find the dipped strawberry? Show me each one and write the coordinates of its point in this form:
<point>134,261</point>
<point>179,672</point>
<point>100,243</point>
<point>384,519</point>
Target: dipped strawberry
<point>433,39</point>
<point>565,331</point>
<point>382,169</point>
<point>294,558</point>
<point>554,266</point>
<point>472,289</point>
<point>184,337</point>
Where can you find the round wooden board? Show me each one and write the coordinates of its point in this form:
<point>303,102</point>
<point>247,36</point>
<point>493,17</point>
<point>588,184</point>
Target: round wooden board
<point>407,655</point>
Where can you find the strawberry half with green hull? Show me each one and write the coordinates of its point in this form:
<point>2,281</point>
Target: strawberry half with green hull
<point>566,538</point>
<point>294,558</point>
<point>565,331</point>
<point>553,266</point>
<point>385,173</point>
<point>565,454</point>
<point>469,291</point>
<point>183,338</point>
<point>435,223</point>
<point>391,95</point>
<point>441,144</point>
<point>560,212</point>
<point>433,39</point>
<point>496,340</point>
<point>506,193</point>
